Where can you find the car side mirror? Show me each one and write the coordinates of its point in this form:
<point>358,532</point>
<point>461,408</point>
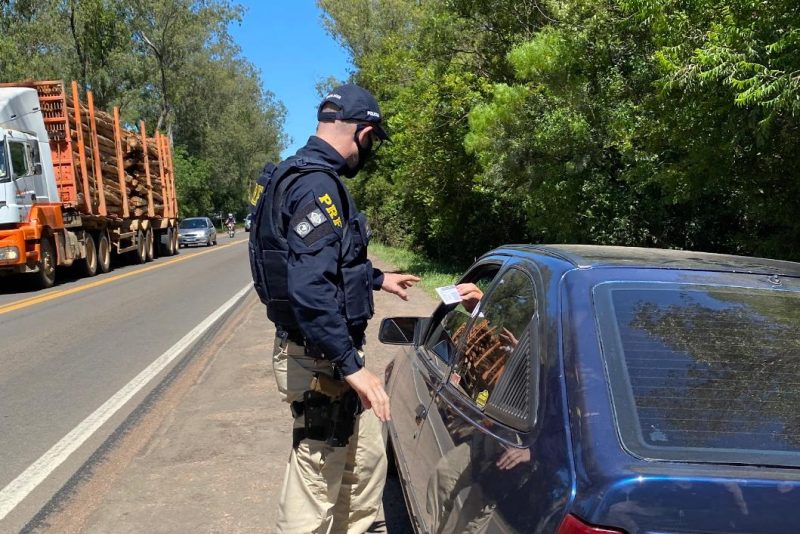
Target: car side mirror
<point>37,169</point>
<point>398,330</point>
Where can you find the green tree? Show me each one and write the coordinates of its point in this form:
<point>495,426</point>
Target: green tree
<point>192,176</point>
<point>633,122</point>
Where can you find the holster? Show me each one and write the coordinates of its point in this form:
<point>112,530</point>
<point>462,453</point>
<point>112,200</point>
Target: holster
<point>327,417</point>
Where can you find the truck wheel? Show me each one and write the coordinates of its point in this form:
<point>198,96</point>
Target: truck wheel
<point>46,276</point>
<point>174,242</point>
<point>140,254</point>
<point>165,247</point>
<point>157,252</point>
<point>169,247</point>
<point>88,265</point>
<point>103,253</point>
<point>148,245</point>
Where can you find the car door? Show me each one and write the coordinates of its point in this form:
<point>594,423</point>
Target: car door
<point>473,450</point>
<point>422,375</point>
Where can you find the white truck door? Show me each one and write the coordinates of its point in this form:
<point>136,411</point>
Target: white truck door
<point>5,174</point>
<point>22,175</point>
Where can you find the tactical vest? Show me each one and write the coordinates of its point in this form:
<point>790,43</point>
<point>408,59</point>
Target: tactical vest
<point>269,250</point>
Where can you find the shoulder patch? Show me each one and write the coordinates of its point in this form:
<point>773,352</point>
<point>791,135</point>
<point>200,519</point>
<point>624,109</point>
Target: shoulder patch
<point>316,217</point>
<point>303,228</point>
<point>310,224</point>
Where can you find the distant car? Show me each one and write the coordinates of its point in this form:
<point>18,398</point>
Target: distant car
<point>247,222</point>
<point>197,231</point>
<point>603,390</point>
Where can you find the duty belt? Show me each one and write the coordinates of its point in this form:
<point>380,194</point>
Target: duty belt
<point>292,335</point>
<point>297,338</point>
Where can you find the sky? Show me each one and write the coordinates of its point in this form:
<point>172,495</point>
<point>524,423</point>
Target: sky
<point>286,41</point>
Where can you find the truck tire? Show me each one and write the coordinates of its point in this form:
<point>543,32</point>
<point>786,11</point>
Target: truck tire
<point>166,248</point>
<point>140,254</point>
<point>148,245</point>
<point>103,253</point>
<point>88,265</point>
<point>174,242</point>
<point>46,275</point>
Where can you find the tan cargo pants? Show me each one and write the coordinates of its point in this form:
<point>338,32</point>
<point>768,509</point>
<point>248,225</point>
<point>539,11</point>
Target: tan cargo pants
<point>327,489</point>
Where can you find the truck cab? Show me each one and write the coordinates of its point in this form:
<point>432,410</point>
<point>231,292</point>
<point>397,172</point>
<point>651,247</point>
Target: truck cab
<point>27,180</point>
<point>26,167</point>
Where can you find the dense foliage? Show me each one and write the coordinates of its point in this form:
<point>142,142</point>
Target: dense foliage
<point>170,62</point>
<point>668,123</point>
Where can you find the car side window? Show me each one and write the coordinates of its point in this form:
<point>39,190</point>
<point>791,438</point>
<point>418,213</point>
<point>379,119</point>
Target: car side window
<point>442,342</point>
<point>493,335</point>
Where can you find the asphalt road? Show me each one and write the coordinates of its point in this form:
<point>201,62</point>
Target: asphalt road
<point>69,349</point>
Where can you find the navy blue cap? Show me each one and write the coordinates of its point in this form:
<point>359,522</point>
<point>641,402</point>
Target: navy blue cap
<point>354,103</point>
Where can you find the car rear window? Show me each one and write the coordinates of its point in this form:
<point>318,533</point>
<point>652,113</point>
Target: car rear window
<point>704,373</point>
<point>191,224</point>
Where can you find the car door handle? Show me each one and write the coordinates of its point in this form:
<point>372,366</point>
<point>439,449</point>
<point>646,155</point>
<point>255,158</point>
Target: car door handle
<point>420,413</point>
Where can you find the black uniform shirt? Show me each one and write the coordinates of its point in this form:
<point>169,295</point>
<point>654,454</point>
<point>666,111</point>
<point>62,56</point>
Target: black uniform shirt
<point>314,222</point>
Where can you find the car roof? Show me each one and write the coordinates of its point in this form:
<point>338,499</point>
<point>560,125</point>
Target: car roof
<point>594,256</point>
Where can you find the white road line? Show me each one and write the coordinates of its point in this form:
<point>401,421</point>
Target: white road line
<point>28,480</point>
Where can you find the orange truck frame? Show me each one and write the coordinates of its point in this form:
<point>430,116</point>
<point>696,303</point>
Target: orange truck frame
<point>77,187</point>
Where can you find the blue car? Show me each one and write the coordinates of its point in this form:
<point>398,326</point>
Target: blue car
<point>603,390</point>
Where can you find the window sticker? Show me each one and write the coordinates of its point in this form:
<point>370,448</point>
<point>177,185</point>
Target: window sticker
<point>483,396</point>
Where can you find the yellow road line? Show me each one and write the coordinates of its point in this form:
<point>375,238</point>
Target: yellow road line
<point>18,305</point>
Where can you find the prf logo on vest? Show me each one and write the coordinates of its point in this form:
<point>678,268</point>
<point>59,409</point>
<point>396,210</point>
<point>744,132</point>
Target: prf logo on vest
<point>333,213</point>
<point>256,193</point>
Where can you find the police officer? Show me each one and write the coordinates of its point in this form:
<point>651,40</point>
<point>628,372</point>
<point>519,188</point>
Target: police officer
<point>309,259</point>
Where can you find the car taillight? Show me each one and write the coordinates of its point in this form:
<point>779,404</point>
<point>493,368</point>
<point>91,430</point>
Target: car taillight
<point>573,525</point>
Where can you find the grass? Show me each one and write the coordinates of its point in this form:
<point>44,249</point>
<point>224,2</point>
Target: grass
<point>433,273</point>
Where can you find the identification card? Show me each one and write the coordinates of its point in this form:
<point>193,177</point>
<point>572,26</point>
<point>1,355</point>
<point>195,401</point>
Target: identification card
<point>448,294</point>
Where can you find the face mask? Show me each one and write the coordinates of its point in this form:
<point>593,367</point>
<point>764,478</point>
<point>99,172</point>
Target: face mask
<point>364,153</point>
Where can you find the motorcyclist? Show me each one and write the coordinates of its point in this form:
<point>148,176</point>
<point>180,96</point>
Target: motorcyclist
<point>230,222</point>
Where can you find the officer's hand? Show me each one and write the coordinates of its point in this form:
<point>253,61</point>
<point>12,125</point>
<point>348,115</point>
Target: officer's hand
<point>397,283</point>
<point>370,390</point>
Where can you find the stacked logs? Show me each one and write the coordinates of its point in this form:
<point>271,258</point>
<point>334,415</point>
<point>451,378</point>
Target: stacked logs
<point>133,162</point>
<point>485,356</point>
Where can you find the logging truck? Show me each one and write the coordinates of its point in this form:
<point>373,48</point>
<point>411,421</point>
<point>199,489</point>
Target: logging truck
<point>76,186</point>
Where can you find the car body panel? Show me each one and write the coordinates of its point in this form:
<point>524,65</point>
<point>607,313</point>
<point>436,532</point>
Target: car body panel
<point>413,395</point>
<point>578,462</point>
